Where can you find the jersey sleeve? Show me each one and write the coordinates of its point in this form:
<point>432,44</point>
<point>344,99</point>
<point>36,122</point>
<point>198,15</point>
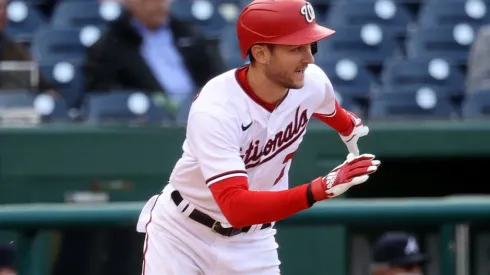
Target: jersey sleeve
<point>327,102</point>
<point>214,142</point>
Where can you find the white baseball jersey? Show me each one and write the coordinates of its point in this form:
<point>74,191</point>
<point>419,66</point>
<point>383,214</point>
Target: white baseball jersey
<point>231,133</point>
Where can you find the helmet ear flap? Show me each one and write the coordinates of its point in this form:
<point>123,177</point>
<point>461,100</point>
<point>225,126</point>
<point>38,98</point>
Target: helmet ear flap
<point>314,48</point>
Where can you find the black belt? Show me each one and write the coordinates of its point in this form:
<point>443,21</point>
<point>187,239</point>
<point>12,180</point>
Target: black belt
<point>215,225</point>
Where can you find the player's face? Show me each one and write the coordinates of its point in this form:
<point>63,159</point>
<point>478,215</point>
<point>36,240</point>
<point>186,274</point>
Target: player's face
<point>287,65</point>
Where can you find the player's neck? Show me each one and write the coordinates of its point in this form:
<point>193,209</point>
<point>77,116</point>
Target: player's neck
<point>265,89</point>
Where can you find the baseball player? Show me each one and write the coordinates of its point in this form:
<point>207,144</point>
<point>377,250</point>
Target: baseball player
<point>397,253</point>
<point>217,214</point>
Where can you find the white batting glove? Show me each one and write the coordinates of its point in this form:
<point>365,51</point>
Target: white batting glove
<point>354,171</point>
<point>360,130</point>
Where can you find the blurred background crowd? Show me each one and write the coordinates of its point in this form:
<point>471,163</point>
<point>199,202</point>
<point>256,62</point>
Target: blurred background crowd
<point>127,62</point>
<point>144,60</point>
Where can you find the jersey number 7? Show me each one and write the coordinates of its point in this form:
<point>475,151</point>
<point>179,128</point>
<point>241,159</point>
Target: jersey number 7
<point>287,158</point>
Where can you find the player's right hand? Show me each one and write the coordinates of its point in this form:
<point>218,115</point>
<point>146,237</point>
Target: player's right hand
<point>359,131</point>
<point>355,170</point>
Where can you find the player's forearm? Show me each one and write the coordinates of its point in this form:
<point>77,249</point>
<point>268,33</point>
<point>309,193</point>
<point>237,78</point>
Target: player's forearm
<point>242,207</point>
<point>340,121</point>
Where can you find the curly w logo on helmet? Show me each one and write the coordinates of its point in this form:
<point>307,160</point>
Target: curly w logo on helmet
<point>308,12</point>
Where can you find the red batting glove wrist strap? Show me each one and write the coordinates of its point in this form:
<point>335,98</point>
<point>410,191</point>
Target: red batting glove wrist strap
<point>318,188</point>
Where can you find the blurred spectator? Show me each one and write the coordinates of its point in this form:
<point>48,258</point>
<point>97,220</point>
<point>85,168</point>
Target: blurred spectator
<point>397,253</point>
<point>12,51</point>
<point>7,260</point>
<point>149,50</point>
<point>478,77</point>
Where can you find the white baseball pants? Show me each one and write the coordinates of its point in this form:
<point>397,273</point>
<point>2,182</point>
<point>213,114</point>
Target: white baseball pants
<point>177,245</point>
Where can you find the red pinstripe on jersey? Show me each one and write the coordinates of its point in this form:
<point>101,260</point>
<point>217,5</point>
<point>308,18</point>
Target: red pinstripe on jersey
<point>224,175</point>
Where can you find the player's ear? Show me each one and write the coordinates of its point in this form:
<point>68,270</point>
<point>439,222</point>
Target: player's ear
<point>260,53</point>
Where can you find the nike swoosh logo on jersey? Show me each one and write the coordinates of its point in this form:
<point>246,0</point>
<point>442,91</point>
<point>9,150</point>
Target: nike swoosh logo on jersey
<point>244,128</point>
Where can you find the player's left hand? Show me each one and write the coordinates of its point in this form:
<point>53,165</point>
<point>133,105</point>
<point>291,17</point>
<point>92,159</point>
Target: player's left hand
<point>359,130</point>
<point>353,171</point>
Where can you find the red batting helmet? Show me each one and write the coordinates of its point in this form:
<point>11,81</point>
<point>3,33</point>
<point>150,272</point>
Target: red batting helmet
<point>283,22</point>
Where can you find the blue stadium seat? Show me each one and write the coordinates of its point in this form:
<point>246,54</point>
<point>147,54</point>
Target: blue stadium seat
<point>410,103</point>
<point>229,48</point>
<point>201,12</point>
<point>67,78</point>
<point>315,3</point>
<point>368,43</point>
<point>452,12</point>
<point>452,42</point>
<point>234,2</point>
<point>347,103</point>
<point>228,9</point>
<point>123,106</point>
<point>392,16</point>
<point>78,14</point>
<point>244,3</point>
<point>322,3</point>
<point>51,109</point>
<point>396,1</point>
<point>350,104</point>
<point>484,1</point>
<point>48,108</point>
<point>349,77</point>
<point>16,98</point>
<point>61,112</point>
<point>75,0</point>
<point>422,71</point>
<point>477,105</point>
<point>50,45</point>
<point>23,20</point>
